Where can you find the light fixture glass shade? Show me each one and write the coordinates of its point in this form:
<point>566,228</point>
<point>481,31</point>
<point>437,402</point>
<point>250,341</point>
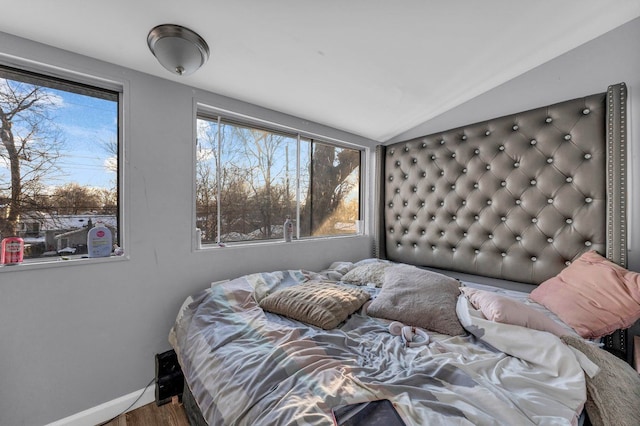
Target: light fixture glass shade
<point>178,49</point>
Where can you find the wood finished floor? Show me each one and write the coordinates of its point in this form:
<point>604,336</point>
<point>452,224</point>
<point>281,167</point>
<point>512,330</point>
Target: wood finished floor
<point>170,414</point>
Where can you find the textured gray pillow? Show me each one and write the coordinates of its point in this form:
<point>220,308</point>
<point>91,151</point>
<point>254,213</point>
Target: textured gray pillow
<point>418,298</point>
<point>321,304</point>
<point>613,394</point>
<point>366,273</point>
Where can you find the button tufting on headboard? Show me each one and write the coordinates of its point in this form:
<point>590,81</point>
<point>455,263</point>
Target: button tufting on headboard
<point>517,197</point>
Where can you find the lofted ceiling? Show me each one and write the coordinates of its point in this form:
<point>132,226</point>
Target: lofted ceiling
<point>369,67</point>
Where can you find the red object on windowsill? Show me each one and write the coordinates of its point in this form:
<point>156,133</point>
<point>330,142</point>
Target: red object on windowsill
<point>12,251</point>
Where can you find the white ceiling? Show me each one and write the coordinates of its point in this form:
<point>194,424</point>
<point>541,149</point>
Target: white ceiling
<point>370,67</point>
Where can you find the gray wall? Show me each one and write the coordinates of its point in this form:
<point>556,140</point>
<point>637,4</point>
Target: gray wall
<point>77,336</point>
<point>590,68</point>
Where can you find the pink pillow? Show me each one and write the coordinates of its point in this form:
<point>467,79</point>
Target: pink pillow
<point>509,311</point>
<point>593,295</point>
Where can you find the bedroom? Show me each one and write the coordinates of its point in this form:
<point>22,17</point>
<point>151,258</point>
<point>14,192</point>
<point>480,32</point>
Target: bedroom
<point>80,336</point>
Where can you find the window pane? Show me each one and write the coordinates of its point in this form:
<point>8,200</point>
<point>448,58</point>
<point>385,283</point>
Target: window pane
<point>255,180</point>
<point>331,205</point>
<point>58,163</point>
<point>206,180</point>
<point>246,184</point>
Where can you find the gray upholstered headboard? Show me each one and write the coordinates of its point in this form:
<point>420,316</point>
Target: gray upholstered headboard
<point>516,198</point>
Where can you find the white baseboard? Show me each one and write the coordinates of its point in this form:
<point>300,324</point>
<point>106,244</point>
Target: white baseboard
<point>103,412</point>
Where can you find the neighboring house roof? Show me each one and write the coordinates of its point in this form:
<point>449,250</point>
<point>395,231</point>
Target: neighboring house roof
<point>70,233</point>
<point>51,222</point>
<point>33,240</point>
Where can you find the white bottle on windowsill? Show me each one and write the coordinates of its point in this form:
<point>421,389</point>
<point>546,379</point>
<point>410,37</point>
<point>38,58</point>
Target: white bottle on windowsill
<point>287,230</point>
<point>99,241</point>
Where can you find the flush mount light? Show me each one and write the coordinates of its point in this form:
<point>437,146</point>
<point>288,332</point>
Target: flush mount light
<point>178,49</point>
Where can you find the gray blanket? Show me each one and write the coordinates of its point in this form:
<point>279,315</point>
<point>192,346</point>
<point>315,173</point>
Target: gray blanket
<point>248,367</point>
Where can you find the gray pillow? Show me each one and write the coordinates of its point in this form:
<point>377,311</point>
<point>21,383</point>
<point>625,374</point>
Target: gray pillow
<point>613,394</point>
<point>366,273</point>
<point>419,298</point>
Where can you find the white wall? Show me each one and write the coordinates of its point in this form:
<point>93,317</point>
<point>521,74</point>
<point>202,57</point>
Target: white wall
<point>588,69</point>
<point>77,336</point>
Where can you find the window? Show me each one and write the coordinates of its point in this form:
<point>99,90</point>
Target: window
<point>249,180</point>
<point>58,162</point>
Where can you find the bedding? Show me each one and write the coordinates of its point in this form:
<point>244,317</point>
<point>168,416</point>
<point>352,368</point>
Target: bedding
<point>366,274</point>
<point>593,295</point>
<point>247,366</point>
<point>418,298</point>
<point>322,304</point>
<point>505,310</point>
<point>613,393</point>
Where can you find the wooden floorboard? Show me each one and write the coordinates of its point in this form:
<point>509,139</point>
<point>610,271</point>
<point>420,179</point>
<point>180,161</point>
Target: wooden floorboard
<point>170,414</point>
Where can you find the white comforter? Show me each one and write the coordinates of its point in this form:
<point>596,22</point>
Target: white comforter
<point>248,367</point>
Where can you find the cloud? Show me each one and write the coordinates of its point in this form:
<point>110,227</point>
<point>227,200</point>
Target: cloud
<point>111,164</point>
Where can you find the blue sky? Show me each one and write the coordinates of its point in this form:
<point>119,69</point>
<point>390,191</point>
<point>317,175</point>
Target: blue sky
<point>88,125</point>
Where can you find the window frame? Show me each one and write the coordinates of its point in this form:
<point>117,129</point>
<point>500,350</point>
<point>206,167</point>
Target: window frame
<point>91,83</point>
<point>203,110</point>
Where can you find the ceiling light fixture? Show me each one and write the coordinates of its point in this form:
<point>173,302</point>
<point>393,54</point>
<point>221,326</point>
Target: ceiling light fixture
<point>177,48</point>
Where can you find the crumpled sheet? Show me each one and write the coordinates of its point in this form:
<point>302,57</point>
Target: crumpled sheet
<point>248,367</point>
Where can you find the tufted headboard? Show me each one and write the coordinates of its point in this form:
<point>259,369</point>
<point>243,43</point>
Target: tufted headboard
<point>516,197</point>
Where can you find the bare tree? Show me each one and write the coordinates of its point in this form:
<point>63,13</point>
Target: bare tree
<point>107,200</point>
<point>72,198</point>
<point>235,201</point>
<point>263,156</point>
<point>206,200</point>
<point>30,145</point>
<point>230,179</point>
<point>206,179</point>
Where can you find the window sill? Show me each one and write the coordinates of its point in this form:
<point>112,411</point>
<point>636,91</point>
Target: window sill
<point>57,262</point>
<point>272,243</point>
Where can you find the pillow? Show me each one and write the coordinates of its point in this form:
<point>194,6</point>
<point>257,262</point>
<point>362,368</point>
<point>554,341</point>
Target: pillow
<point>366,273</point>
<point>613,394</point>
<point>321,304</point>
<point>418,298</point>
<point>334,272</point>
<point>371,260</point>
<point>593,295</point>
<point>509,311</point>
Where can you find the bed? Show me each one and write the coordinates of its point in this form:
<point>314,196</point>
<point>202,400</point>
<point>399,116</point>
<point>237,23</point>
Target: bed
<point>478,228</point>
